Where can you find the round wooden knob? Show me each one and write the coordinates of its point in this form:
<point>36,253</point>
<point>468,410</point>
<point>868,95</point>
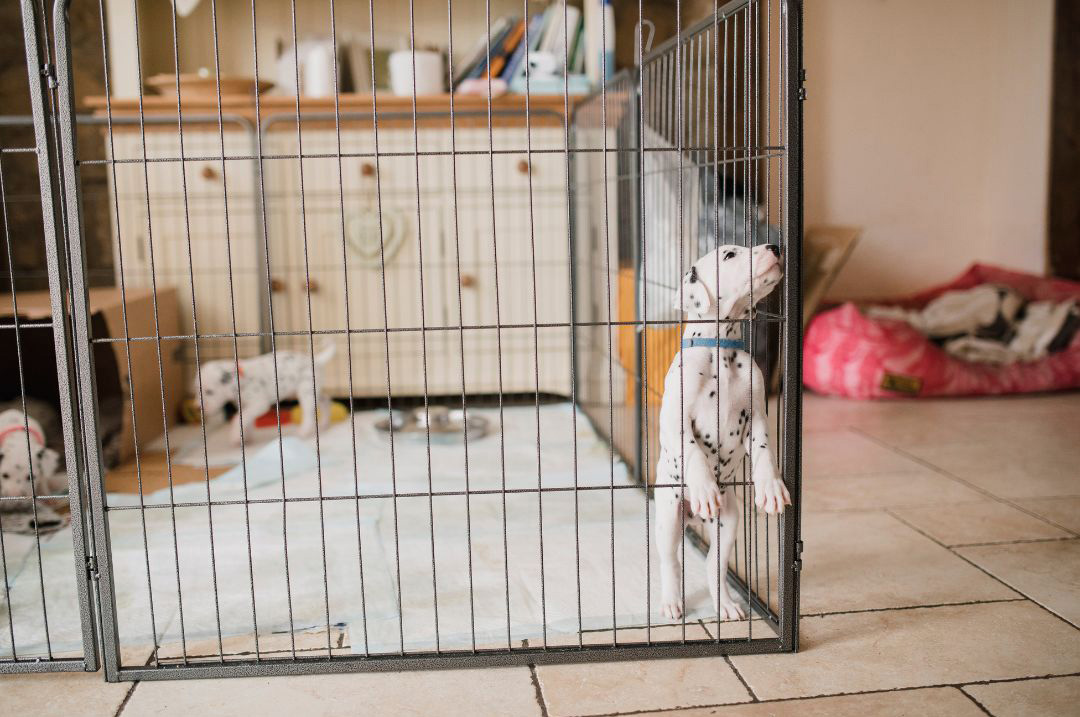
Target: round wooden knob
<point>312,286</point>
<point>523,166</point>
<point>277,285</point>
<point>209,172</point>
<point>367,169</point>
<point>468,281</point>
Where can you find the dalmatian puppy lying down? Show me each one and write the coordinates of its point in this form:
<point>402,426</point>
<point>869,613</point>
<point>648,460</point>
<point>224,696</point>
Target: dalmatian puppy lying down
<point>256,389</point>
<point>31,444</point>
<point>709,422</point>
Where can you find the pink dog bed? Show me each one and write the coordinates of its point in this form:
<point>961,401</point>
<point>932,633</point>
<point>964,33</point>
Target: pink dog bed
<point>849,354</point>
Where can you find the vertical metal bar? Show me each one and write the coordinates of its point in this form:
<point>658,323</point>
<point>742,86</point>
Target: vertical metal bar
<point>261,175</point>
<point>643,290</point>
<point>678,99</point>
<point>535,328</point>
<point>423,318</point>
<point>763,82</point>
<point>748,504</point>
<point>498,329</point>
<point>461,313</point>
<point>573,329</point>
<point>198,364</point>
<point>195,332</point>
<point>262,232</point>
<point>348,325</point>
<point>608,328</point>
<point>154,296</point>
<point>716,200</point>
<point>83,355</point>
<point>386,321</point>
<point>311,341</point>
<point>235,346</point>
<point>789,574</point>
<point>127,332</point>
<point>46,151</point>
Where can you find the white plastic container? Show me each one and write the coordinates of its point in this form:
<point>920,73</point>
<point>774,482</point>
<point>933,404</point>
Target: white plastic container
<point>429,73</point>
<point>318,69</point>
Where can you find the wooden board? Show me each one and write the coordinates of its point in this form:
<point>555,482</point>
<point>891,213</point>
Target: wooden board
<point>154,470</point>
<point>431,110</point>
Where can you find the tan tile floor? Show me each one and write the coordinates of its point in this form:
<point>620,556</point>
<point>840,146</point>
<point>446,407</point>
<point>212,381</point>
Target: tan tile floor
<point>942,577</point>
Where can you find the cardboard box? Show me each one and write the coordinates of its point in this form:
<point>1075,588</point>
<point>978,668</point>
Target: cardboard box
<point>114,384</point>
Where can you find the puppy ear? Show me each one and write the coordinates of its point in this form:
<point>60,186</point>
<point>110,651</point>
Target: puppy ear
<point>50,461</point>
<point>692,297</point>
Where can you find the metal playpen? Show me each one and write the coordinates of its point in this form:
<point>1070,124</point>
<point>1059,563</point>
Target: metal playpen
<point>491,283</point>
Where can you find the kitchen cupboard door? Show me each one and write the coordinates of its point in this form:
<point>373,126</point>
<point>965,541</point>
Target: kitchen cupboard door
<point>514,256</point>
<point>191,225</point>
<point>378,269</point>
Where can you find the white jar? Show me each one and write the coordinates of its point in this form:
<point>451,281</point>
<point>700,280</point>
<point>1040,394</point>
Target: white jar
<point>429,73</point>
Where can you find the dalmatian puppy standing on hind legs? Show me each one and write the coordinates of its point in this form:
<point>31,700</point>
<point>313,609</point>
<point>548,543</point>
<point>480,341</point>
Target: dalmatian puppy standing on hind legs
<point>712,416</point>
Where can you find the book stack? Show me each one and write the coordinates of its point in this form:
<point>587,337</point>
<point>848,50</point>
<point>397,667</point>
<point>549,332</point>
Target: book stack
<point>555,50</point>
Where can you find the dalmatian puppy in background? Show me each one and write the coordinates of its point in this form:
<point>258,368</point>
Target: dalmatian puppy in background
<point>30,443</point>
<point>256,389</point>
<point>712,416</point>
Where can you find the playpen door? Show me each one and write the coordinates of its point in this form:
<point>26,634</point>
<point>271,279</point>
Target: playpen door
<point>46,619</point>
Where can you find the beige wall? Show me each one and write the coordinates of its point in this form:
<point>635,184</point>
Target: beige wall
<point>927,123</point>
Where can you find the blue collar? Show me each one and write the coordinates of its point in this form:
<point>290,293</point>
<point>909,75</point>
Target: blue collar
<point>739,344</point>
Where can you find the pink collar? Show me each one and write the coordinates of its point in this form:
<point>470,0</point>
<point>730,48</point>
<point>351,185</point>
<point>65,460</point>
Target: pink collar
<point>32,432</point>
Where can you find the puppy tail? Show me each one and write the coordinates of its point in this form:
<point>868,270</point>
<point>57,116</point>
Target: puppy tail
<point>324,355</point>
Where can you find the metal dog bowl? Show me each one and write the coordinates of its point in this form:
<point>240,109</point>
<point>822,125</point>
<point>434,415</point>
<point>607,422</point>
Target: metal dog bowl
<point>444,424</point>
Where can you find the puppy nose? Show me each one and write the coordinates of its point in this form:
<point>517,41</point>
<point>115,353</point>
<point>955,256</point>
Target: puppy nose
<point>774,249</point>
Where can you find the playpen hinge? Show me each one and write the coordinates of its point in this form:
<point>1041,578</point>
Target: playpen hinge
<point>797,565</point>
<point>48,71</point>
<point>92,568</point>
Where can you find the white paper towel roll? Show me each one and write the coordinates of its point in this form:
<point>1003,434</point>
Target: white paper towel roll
<point>429,73</point>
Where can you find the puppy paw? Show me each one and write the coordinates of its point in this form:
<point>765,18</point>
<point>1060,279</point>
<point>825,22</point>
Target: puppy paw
<point>771,495</point>
<point>671,607</point>
<point>728,609</point>
<point>706,498</point>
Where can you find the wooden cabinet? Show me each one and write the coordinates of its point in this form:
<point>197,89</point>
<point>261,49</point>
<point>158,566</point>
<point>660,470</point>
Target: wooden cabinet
<point>374,254</point>
<point>170,230</point>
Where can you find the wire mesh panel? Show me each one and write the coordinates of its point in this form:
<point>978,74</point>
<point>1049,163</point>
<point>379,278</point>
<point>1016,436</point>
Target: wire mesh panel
<point>395,363</point>
<point>698,159</point>
<point>46,623</point>
<point>714,167</point>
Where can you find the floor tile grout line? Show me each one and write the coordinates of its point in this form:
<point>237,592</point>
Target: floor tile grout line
<point>749,690</point>
<point>127,698</point>
<point>962,603</point>
<point>985,571</point>
<point>975,700</point>
<point>952,476</point>
<point>1023,541</point>
<point>910,688</point>
<point>539,691</point>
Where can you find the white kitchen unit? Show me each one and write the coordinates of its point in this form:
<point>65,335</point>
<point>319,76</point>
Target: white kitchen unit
<point>414,253</point>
